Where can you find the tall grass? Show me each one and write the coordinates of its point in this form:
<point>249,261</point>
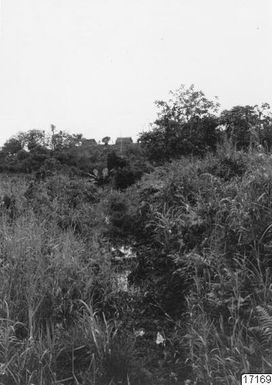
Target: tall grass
<point>209,224</point>
<point>203,233</point>
<point>229,302</point>
<point>48,275</point>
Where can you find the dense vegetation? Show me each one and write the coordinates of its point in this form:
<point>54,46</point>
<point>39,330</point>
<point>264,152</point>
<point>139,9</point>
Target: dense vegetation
<point>192,203</point>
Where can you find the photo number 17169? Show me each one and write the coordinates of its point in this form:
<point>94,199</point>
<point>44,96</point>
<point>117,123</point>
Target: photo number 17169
<point>256,379</point>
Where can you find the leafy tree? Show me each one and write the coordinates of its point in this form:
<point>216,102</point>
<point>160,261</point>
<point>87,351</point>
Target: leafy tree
<point>186,104</point>
<point>186,124</point>
<point>248,126</point>
<point>12,146</point>
<point>38,155</point>
<point>264,127</point>
<point>34,138</point>
<point>106,140</point>
<point>238,121</point>
<point>62,140</point>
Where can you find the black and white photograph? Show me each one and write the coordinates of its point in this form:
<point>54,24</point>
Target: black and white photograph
<point>135,192</point>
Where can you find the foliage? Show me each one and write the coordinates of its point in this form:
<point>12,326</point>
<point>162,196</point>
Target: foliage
<point>62,140</point>
<point>49,274</point>
<point>213,234</point>
<point>186,124</point>
<point>193,235</point>
<point>12,146</point>
<point>248,126</point>
<point>106,140</point>
<point>186,104</point>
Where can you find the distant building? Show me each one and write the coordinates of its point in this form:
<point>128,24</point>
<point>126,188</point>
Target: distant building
<point>126,141</point>
<point>89,142</point>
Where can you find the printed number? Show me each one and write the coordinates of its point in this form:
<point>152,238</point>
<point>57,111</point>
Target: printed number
<point>256,379</point>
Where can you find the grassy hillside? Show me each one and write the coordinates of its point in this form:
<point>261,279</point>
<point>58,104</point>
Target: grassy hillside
<point>199,304</point>
<point>144,265</point>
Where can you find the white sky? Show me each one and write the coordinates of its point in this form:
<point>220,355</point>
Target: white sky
<point>97,66</point>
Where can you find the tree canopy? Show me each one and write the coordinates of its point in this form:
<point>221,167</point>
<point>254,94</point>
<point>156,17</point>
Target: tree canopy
<point>186,124</point>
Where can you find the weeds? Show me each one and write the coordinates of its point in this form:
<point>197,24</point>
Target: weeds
<point>201,230</point>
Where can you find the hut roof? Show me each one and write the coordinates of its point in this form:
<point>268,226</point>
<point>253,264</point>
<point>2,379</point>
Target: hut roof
<point>89,141</point>
<point>124,140</point>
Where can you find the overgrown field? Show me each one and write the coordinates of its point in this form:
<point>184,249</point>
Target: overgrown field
<point>199,305</point>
